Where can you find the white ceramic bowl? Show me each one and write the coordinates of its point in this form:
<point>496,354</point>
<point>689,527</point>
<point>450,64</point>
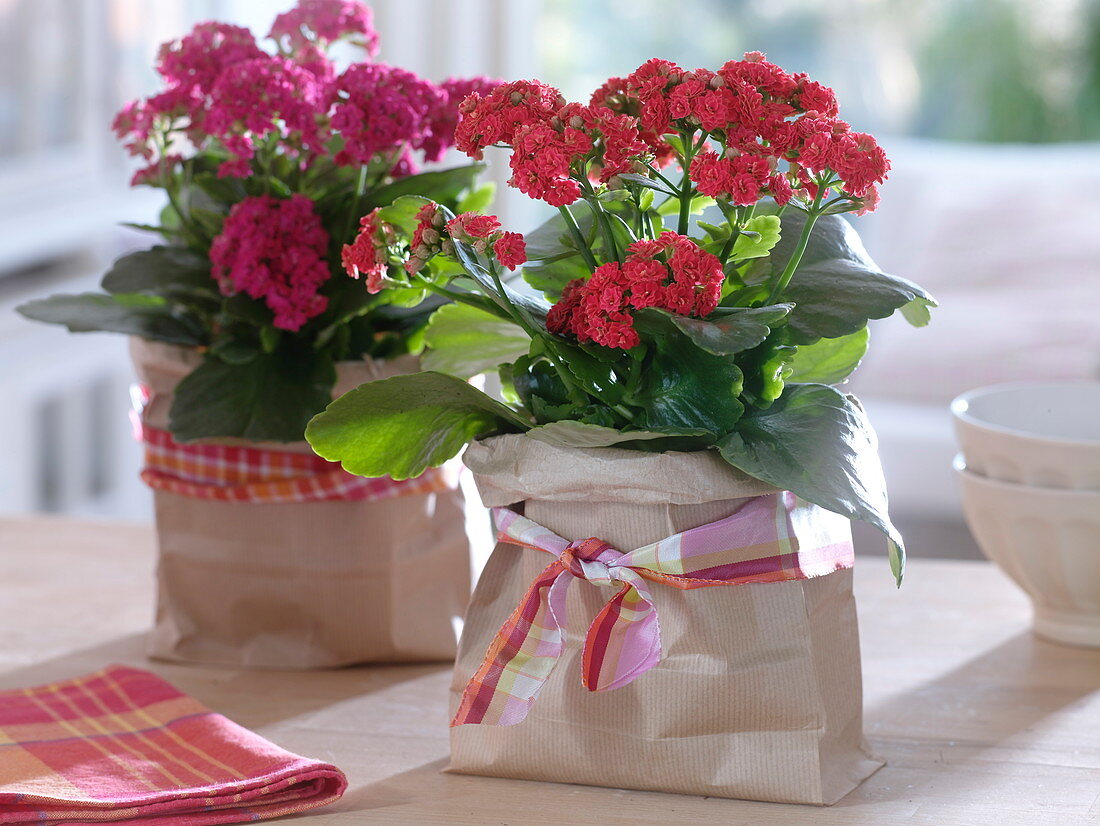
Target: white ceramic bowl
<point>1045,434</point>
<point>1048,541</point>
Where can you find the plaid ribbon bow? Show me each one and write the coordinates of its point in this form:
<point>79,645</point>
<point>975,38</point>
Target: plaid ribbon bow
<point>772,538</point>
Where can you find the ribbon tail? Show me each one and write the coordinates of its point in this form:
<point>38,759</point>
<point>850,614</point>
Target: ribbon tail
<point>624,641</point>
<point>519,659</point>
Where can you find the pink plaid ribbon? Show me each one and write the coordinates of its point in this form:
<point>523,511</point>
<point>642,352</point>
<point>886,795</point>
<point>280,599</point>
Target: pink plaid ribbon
<point>772,538</point>
<point>265,476</point>
<point>260,475</point>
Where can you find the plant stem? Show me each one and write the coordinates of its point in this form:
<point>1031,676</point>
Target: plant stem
<point>353,213</point>
<point>578,238</point>
<point>735,229</point>
<point>799,250</point>
<point>459,297</point>
<point>685,204</point>
<point>605,225</point>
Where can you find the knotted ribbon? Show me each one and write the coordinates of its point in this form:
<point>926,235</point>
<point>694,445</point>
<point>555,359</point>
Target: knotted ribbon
<point>772,538</point>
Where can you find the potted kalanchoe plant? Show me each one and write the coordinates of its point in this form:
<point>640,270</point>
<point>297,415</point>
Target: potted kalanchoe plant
<point>671,425</point>
<point>244,326</point>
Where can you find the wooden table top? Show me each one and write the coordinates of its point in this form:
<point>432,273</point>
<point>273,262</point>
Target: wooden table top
<point>979,721</point>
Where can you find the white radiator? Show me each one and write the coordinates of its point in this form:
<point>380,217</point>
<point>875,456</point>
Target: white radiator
<point>64,402</point>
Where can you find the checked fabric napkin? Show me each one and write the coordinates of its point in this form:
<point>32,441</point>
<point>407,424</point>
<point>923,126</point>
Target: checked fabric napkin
<point>124,745</point>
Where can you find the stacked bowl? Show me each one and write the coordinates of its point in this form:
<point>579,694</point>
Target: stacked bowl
<point>1029,467</point>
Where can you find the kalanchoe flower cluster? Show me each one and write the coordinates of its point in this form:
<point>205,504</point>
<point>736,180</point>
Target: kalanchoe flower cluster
<point>221,88</point>
<point>380,109</point>
<point>613,95</point>
<point>671,273</point>
<point>756,109</point>
<point>257,98</point>
<point>325,21</point>
<point>434,235</point>
<point>274,250</point>
<point>429,238</point>
<point>550,139</point>
<point>440,133</point>
<point>778,134</point>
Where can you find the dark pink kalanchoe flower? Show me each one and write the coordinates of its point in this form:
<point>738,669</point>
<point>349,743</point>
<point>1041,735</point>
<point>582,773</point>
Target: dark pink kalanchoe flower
<point>197,60</point>
<point>256,98</point>
<point>325,21</point>
<point>274,250</point>
<point>381,109</point>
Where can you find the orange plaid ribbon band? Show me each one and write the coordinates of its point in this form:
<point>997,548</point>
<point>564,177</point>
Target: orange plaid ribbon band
<point>263,475</point>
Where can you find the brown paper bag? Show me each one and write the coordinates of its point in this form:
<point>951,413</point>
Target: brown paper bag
<point>758,694</point>
<point>304,585</point>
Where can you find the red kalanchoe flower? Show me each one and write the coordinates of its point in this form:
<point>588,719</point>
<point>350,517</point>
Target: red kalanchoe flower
<point>444,116</point>
<point>672,273</point>
<point>511,250</point>
<point>274,250</point>
<point>741,179</point>
<point>542,161</point>
<point>495,117</point>
<point>325,21</point>
<point>615,96</point>
<point>366,255</point>
<point>474,229</point>
<point>429,238</point>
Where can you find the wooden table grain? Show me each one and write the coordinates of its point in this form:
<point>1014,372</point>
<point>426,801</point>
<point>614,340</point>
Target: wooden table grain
<point>979,721</point>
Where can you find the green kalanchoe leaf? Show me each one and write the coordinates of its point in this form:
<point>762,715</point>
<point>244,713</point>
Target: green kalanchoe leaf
<point>145,316</point>
<point>727,331</point>
<point>464,341</point>
<point>443,185</point>
<point>686,387</point>
<point>163,271</point>
<point>837,287</point>
<point>829,361</point>
<point>766,229</point>
<point>403,425</point>
<point>817,443</point>
<point>269,398</point>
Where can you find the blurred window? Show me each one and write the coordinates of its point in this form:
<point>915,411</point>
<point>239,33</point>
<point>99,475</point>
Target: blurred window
<point>976,70</point>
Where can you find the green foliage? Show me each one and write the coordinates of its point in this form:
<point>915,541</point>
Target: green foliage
<point>727,332</point>
<point>268,397</point>
<point>170,272</point>
<point>403,425</point>
<point>837,288</point>
<point>830,360</point>
<point>685,387</point>
<point>464,341</point>
<point>256,381</point>
<point>146,316</point>
<point>758,238</point>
